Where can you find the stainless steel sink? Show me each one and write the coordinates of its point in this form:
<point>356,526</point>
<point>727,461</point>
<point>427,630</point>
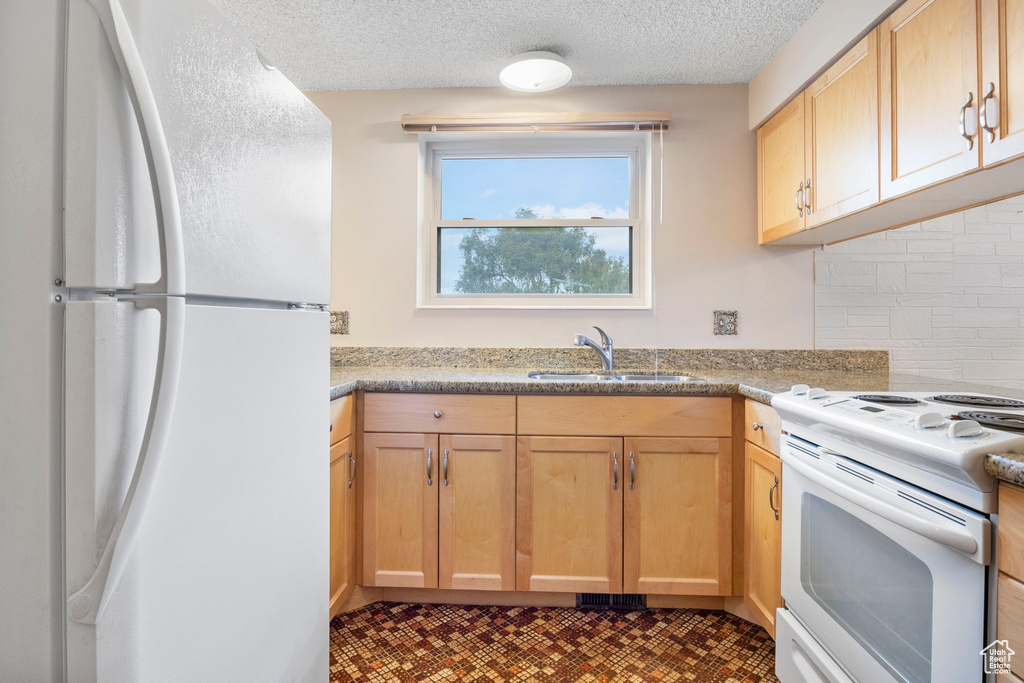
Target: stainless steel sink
<point>659,378</point>
<point>574,377</point>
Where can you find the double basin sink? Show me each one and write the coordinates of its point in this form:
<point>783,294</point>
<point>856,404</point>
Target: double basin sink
<point>573,377</point>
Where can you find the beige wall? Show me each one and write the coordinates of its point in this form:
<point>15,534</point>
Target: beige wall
<point>705,252</point>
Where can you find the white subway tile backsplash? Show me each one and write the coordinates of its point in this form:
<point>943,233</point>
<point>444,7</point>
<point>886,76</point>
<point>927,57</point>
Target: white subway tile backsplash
<point>944,296</point>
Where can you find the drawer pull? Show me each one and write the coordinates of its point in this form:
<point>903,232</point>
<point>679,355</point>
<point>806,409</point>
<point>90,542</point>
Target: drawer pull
<point>437,414</point>
<point>757,425</point>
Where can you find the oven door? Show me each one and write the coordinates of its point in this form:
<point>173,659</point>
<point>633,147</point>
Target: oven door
<point>888,578</point>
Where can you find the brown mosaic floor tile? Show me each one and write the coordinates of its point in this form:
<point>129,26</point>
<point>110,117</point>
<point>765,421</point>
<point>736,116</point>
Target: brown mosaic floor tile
<point>406,643</point>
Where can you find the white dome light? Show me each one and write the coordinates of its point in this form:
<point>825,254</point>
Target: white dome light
<point>535,72</point>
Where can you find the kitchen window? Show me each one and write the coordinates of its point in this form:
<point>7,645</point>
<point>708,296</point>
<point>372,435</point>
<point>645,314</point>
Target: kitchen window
<point>536,223</point>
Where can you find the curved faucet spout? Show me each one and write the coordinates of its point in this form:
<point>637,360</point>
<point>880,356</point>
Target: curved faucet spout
<point>606,349</point>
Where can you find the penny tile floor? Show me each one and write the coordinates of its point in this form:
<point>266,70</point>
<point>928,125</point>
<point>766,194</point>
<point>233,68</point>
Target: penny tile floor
<point>413,643</point>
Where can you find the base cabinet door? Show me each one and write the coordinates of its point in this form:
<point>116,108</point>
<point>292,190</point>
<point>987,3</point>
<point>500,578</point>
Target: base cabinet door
<point>569,514</point>
<point>780,174</point>
<point>763,529</point>
<point>677,530</point>
<point>477,513</point>
<point>1002,79</point>
<point>399,517</point>
<point>343,523</point>
<point>929,94</point>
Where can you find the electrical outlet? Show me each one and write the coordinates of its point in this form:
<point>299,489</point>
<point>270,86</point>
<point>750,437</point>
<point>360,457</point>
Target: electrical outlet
<point>339,322</point>
<point>725,322</point>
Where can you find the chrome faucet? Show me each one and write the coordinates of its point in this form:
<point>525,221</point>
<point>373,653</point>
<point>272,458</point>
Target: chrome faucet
<point>606,348</point>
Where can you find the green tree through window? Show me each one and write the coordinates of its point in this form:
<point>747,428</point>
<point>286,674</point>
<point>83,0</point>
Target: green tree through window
<point>556,260</point>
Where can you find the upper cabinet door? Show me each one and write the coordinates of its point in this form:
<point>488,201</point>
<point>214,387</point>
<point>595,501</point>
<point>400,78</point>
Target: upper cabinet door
<point>929,94</point>
<point>1002,79</point>
<point>780,174</point>
<point>841,135</point>
<point>250,158</point>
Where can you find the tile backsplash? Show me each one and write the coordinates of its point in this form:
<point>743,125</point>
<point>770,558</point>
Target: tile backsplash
<point>945,296</point>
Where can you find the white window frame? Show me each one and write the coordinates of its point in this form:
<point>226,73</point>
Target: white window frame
<point>635,145</point>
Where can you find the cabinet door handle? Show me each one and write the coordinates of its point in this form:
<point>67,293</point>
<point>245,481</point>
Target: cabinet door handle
<point>798,198</point>
<point>771,496</point>
<point>430,467</point>
<point>445,467</point>
<point>615,471</point>
<point>964,122</point>
<point>989,119</point>
<point>352,469</point>
<point>807,196</point>
<point>632,471</point>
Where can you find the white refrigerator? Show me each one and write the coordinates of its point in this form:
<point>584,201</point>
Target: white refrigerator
<point>165,269</point>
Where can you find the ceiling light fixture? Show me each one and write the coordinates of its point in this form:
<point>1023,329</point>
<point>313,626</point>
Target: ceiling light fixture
<point>536,71</point>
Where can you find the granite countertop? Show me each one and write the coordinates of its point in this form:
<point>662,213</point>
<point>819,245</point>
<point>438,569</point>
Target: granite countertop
<point>759,385</point>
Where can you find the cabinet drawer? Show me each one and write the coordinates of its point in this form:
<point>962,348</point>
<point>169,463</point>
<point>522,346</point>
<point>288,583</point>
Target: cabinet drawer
<point>1011,618</point>
<point>1011,530</point>
<point>625,416</point>
<point>440,413</point>
<point>769,433</point>
<point>342,424</point>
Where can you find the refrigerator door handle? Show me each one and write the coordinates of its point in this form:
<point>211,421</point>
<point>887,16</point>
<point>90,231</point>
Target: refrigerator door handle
<point>154,142</point>
<point>86,605</point>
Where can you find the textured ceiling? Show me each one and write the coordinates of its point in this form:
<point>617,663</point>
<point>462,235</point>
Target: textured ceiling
<point>390,44</point>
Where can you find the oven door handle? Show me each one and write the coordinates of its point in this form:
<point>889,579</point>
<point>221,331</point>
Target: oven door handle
<point>956,538</point>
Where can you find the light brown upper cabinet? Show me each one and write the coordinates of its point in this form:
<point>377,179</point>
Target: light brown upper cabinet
<point>763,534</point>
<point>569,514</point>
<point>841,136</point>
<point>677,533</point>
<point>1002,79</point>
<point>477,539</point>
<point>400,482</point>
<point>780,174</point>
<point>929,94</point>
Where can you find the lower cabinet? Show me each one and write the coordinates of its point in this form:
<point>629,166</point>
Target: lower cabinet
<point>677,530</point>
<point>400,510</point>
<point>477,515</point>
<point>763,534</point>
<point>343,522</point>
<point>439,511</point>
<point>640,515</point>
<point>569,514</point>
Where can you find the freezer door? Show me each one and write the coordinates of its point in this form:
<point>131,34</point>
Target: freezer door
<point>227,578</point>
<point>247,157</point>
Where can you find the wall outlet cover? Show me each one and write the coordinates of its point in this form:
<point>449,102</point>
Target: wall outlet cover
<point>725,322</point>
<point>339,322</point>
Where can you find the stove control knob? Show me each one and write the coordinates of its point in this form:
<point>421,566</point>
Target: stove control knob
<point>929,421</point>
<point>815,393</point>
<point>962,429</point>
<point>800,389</point>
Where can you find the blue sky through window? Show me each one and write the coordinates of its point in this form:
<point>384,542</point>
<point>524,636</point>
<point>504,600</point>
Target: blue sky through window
<point>552,187</point>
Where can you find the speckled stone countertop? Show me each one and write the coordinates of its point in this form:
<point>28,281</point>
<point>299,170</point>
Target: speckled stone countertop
<point>758,385</point>
<point>754,374</point>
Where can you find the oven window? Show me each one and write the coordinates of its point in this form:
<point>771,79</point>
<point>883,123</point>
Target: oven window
<point>873,587</point>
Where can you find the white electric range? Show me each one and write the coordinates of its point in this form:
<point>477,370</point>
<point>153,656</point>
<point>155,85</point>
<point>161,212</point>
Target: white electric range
<point>887,541</point>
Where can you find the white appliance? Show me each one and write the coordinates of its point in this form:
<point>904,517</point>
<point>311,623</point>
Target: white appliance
<point>165,209</point>
<point>887,545</point>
